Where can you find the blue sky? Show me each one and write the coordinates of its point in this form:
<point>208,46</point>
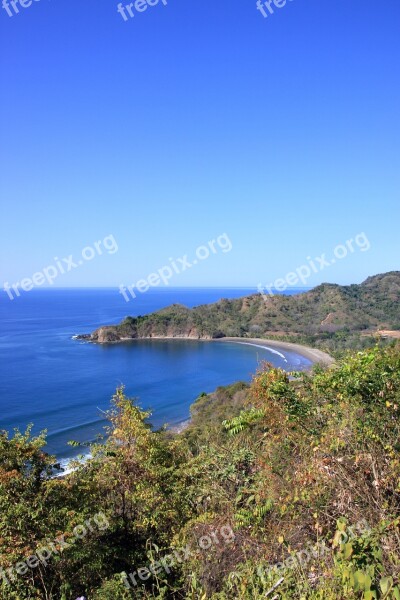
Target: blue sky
<point>195,119</point>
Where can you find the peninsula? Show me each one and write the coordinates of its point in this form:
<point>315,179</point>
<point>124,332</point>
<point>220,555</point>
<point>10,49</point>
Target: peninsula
<point>330,317</point>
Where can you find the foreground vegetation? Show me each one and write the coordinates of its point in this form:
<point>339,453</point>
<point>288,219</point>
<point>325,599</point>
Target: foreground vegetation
<point>308,464</point>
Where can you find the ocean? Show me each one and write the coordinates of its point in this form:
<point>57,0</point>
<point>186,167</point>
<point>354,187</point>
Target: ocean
<point>63,385</point>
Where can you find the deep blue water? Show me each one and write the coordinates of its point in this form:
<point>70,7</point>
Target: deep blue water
<point>62,385</point>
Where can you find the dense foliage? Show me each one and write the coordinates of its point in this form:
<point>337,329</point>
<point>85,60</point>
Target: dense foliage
<point>299,472</point>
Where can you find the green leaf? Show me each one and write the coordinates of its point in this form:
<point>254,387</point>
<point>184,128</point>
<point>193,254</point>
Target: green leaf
<point>359,580</point>
<point>385,584</point>
<point>348,550</point>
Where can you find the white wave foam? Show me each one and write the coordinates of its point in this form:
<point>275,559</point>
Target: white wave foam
<point>65,465</point>
<point>265,348</point>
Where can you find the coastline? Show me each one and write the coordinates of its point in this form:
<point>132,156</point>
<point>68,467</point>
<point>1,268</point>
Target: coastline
<point>313,354</point>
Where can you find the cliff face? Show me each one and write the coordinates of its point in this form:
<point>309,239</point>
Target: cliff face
<point>110,334</point>
<point>323,313</point>
<point>105,335</point>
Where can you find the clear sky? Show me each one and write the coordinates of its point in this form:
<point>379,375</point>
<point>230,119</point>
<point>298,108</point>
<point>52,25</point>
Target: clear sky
<point>196,119</point>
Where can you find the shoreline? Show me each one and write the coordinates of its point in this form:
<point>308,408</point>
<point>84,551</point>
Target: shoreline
<point>313,354</point>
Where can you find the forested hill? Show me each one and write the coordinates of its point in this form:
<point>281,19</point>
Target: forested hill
<point>330,316</point>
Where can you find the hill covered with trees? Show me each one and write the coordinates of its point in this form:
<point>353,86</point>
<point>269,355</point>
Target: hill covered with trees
<point>329,316</point>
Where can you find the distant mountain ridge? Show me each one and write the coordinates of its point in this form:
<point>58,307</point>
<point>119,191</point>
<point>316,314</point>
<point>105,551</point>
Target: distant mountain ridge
<point>329,315</point>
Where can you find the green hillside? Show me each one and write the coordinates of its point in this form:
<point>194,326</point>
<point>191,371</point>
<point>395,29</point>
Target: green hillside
<point>329,316</point>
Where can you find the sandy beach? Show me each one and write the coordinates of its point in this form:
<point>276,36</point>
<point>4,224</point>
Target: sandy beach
<point>316,356</point>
